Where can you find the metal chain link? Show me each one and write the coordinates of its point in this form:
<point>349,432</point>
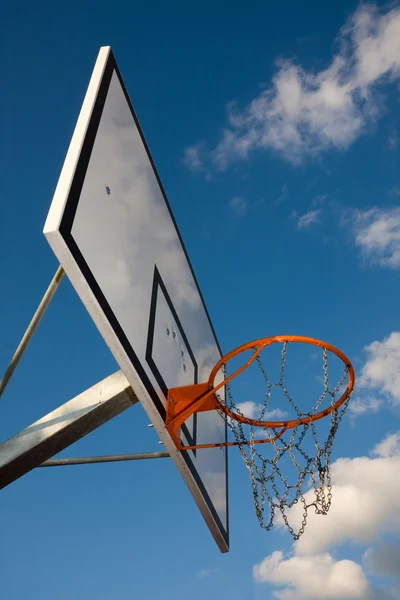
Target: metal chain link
<point>266,474</point>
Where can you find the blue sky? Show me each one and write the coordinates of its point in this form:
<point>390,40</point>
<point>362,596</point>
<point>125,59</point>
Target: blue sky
<point>275,131</point>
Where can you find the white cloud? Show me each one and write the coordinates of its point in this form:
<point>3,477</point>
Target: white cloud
<point>192,157</point>
<point>306,112</point>
<point>377,234</point>
<point>238,206</point>
<point>309,577</point>
<point>365,405</point>
<point>305,221</point>
<point>377,45</point>
<point>252,410</point>
<point>381,371</point>
<point>360,511</point>
<point>275,414</point>
<point>389,447</point>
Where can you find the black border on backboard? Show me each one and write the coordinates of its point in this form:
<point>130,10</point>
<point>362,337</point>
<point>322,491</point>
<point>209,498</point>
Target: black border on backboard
<point>66,232</point>
<point>158,284</point>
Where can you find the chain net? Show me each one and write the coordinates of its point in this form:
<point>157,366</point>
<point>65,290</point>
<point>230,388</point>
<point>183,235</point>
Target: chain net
<point>272,493</point>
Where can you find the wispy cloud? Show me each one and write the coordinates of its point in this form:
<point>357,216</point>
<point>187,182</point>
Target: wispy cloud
<point>377,235</point>
<point>208,572</point>
<point>393,140</point>
<point>308,219</point>
<point>283,195</point>
<point>303,113</point>
<point>388,447</point>
<point>365,406</point>
<point>238,207</point>
<point>192,159</point>
<point>319,201</point>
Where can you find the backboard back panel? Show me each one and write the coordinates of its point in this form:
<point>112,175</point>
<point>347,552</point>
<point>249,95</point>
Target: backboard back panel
<point>112,229</point>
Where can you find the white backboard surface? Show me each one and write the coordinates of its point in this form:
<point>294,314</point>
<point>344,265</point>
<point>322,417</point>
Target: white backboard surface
<point>112,229</point>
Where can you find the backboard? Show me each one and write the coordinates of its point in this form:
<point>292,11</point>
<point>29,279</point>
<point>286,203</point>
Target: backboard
<point>111,227</point>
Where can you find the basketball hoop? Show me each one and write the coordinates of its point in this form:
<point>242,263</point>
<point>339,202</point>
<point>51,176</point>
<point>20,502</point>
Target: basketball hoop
<point>287,437</point>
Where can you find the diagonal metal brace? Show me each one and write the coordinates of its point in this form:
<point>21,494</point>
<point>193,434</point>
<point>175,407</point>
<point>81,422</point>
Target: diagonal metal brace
<point>63,426</point>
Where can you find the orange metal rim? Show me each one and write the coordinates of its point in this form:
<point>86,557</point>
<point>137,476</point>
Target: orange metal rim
<point>258,346</point>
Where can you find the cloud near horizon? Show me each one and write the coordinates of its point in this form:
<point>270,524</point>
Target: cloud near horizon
<point>360,514</point>
<point>312,577</point>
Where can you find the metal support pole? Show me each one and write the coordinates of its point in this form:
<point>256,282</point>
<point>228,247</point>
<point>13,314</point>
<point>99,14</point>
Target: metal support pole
<point>88,460</point>
<point>31,328</point>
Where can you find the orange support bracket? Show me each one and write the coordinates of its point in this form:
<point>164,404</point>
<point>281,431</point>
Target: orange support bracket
<point>182,402</point>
